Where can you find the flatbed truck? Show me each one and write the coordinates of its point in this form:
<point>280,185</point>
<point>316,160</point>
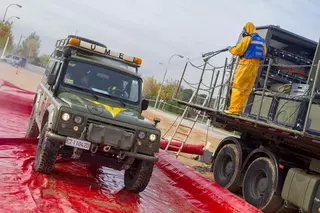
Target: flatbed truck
<point>275,162</point>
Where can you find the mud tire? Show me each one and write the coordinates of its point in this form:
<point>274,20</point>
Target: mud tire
<point>258,185</point>
<point>137,177</point>
<point>46,153</point>
<point>226,170</point>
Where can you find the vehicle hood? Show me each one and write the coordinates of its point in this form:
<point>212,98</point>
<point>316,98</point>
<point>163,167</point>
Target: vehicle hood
<point>104,108</point>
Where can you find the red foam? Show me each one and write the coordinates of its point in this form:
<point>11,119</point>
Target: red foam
<point>75,187</point>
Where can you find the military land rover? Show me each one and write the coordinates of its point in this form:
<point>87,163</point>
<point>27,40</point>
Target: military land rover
<point>88,108</point>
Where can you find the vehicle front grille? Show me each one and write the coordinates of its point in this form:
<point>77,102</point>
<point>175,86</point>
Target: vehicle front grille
<point>115,136</point>
<point>91,121</point>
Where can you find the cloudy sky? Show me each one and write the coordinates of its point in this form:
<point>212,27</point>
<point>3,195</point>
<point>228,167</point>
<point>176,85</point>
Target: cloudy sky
<point>156,29</point>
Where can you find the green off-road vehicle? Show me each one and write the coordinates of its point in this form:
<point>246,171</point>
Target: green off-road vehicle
<point>88,108</point>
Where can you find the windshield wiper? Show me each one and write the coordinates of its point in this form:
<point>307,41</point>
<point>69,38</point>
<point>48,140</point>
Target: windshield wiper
<point>124,105</point>
<point>108,95</point>
<point>94,95</point>
<point>114,98</point>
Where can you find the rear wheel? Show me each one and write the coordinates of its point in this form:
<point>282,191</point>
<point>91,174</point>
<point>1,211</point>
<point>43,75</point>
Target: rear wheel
<point>46,154</point>
<point>259,185</point>
<point>226,168</point>
<point>137,177</point>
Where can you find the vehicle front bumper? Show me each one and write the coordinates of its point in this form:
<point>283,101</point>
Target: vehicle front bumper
<point>61,139</point>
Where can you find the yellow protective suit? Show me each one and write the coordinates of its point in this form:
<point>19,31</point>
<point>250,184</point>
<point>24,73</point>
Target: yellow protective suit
<point>246,72</point>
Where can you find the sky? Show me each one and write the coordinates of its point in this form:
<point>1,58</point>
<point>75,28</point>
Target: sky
<point>154,30</point>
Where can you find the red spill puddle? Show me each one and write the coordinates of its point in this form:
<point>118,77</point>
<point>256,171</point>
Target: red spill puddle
<point>75,187</point>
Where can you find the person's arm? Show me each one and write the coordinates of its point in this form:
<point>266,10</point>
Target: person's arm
<point>241,47</point>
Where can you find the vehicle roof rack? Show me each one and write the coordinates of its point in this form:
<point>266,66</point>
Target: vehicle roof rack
<point>86,46</point>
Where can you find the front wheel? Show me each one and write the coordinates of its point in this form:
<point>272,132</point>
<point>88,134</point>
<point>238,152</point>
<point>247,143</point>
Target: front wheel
<point>259,185</point>
<point>46,154</point>
<point>137,177</point>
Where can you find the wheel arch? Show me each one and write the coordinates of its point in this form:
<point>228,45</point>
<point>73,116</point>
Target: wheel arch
<point>44,119</point>
<point>48,116</point>
<point>229,140</point>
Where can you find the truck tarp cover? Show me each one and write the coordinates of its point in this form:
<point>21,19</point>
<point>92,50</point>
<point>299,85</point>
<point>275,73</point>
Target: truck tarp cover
<point>75,187</point>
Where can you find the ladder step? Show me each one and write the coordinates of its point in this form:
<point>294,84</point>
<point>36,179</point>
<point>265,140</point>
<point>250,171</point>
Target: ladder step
<point>181,141</point>
<point>182,133</point>
<point>177,147</point>
<point>189,119</point>
<point>184,126</point>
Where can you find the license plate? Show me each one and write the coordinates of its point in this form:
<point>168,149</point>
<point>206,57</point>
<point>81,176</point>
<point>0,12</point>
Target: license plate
<point>78,143</point>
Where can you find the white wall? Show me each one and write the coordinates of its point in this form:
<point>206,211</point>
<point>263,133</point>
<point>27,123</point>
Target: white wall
<point>35,69</point>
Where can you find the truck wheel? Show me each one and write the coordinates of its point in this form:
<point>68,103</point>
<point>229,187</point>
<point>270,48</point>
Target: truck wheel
<point>46,154</point>
<point>226,168</point>
<point>137,177</point>
<point>32,128</point>
<point>259,184</point>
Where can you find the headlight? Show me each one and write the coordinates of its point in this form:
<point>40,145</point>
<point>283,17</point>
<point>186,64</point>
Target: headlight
<point>152,137</point>
<point>65,116</point>
<point>142,135</point>
<point>78,119</point>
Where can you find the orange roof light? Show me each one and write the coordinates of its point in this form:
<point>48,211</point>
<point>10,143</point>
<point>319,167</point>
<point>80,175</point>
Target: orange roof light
<point>137,60</point>
<point>74,41</point>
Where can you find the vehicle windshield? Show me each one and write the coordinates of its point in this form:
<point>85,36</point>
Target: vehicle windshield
<point>103,80</point>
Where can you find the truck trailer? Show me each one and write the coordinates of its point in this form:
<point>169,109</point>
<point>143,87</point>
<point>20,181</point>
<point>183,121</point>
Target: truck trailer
<point>275,161</point>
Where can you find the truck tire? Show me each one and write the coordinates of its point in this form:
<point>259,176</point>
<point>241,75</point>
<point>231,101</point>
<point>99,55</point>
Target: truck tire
<point>32,128</point>
<point>226,170</point>
<point>137,177</point>
<point>258,185</point>
<point>46,154</point>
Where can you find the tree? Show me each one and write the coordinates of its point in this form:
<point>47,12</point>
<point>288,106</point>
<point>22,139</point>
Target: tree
<point>150,87</point>
<point>168,89</point>
<point>185,94</point>
<point>30,46</point>
<point>5,31</point>
<point>44,60</point>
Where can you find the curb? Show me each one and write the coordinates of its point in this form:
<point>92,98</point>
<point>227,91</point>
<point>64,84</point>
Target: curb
<point>211,195</point>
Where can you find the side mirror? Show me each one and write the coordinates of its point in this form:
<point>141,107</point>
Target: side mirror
<point>51,79</point>
<point>144,104</point>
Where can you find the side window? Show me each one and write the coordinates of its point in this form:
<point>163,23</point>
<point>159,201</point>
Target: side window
<point>56,68</point>
<point>49,68</point>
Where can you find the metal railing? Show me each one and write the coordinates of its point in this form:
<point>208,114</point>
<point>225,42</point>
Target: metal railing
<point>218,87</point>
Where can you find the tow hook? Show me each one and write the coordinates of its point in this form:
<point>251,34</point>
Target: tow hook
<point>106,148</point>
<point>121,155</point>
<point>94,148</point>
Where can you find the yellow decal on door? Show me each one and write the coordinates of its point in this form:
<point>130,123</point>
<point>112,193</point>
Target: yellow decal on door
<point>114,111</point>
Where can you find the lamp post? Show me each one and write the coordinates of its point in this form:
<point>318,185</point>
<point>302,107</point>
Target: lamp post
<point>6,45</point>
<point>164,78</point>
<point>20,41</point>
<point>17,17</point>
<point>5,13</point>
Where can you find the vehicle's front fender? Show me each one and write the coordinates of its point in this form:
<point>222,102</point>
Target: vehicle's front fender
<point>50,117</point>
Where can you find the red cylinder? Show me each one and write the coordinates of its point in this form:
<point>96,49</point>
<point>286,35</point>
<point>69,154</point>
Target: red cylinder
<point>196,149</point>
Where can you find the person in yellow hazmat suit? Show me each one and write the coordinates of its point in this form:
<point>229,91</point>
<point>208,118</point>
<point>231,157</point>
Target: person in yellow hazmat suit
<point>251,49</point>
